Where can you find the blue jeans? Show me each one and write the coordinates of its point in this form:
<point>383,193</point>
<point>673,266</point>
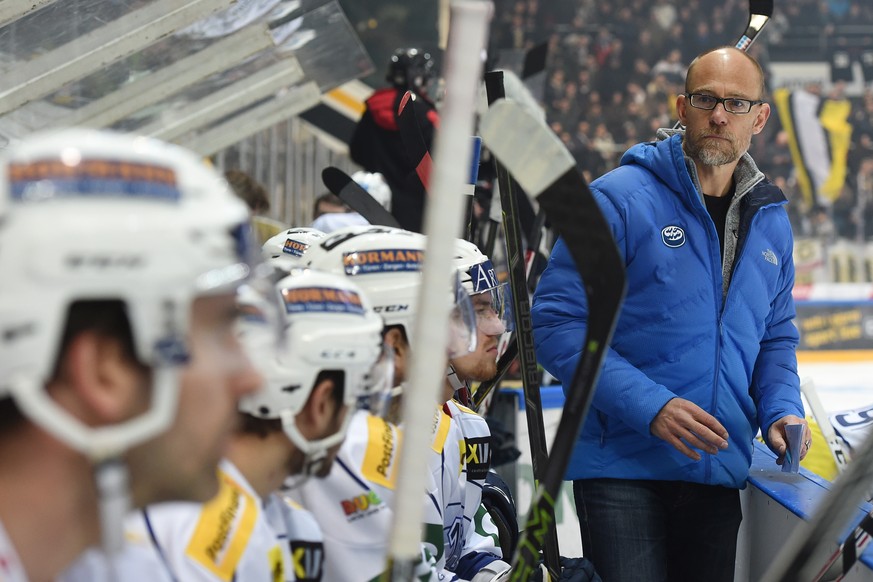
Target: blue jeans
<point>658,531</point>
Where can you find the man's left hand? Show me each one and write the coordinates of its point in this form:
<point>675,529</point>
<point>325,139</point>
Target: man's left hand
<point>778,441</point>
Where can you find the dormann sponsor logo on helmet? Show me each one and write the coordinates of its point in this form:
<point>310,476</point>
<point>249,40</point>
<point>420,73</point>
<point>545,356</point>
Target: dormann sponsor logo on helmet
<point>322,300</point>
<point>382,261</point>
<point>294,248</point>
<point>40,180</point>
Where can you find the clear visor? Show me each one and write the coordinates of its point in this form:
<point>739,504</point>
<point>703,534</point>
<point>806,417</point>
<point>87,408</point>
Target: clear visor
<point>494,310</point>
<point>255,284</point>
<point>462,323</point>
<point>261,326</point>
<point>379,394</point>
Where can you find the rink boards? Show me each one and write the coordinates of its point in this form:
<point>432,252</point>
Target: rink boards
<point>773,504</point>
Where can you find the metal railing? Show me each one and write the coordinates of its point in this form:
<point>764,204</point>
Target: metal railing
<point>287,159</point>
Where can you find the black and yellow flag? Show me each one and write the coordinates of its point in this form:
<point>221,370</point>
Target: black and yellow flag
<point>819,134</point>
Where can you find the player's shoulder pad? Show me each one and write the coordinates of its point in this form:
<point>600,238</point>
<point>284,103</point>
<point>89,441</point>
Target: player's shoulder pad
<point>224,528</point>
<point>466,410</point>
<point>383,443</point>
<point>442,422</point>
<point>295,521</point>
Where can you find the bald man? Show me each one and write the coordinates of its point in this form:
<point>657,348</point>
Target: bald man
<point>703,354</point>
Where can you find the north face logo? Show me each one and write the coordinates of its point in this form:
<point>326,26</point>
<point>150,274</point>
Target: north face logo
<point>673,236</point>
<point>770,257</point>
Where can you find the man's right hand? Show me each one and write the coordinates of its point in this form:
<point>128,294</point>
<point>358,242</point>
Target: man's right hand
<point>682,423</point>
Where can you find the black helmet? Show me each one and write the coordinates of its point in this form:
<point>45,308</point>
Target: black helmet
<point>410,68</point>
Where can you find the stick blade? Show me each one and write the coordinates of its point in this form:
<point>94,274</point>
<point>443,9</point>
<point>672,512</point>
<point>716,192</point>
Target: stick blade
<point>358,199</point>
<point>535,60</point>
<point>540,162</point>
<point>518,140</point>
<point>335,179</point>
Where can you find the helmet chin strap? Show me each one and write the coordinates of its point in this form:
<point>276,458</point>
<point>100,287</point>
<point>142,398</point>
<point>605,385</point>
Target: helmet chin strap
<point>314,463</point>
<point>112,478</point>
<point>462,390</point>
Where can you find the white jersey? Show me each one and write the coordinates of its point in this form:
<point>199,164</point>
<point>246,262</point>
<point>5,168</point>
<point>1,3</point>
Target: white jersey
<point>353,504</point>
<point>853,425</point>
<point>471,537</point>
<point>11,568</point>
<point>234,537</point>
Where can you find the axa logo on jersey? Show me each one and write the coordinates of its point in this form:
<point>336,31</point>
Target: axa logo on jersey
<point>307,560</point>
<point>673,236</point>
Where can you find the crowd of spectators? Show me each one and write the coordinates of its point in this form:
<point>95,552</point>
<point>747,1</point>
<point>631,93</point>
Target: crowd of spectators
<point>615,68</point>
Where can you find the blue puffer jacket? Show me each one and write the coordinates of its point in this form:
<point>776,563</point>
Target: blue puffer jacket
<point>731,351</point>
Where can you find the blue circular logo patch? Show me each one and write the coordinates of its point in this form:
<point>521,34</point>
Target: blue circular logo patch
<point>673,236</point>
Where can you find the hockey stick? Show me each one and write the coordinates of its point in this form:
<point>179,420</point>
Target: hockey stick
<point>760,12</point>
<point>850,488</point>
<point>533,247</point>
<point>409,118</point>
<point>519,94</point>
<point>358,199</point>
<point>469,30</point>
<point>545,169</point>
<point>524,331</point>
<point>855,544</point>
<point>503,363</point>
<point>535,60</point>
<point>413,139</point>
<point>807,386</point>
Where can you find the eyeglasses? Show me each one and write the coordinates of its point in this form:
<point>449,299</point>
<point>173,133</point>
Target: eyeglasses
<point>731,104</point>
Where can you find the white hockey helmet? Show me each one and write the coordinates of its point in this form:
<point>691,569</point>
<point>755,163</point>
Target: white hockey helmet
<point>375,185</point>
<point>132,219</point>
<point>477,277</point>
<point>386,262</point>
<point>285,250</point>
<point>331,326</point>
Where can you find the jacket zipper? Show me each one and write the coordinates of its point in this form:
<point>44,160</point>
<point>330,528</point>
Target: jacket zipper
<point>736,267</point>
<point>719,311</point>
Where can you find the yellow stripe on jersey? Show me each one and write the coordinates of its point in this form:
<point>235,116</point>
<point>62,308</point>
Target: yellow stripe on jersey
<point>291,503</point>
<point>383,444</point>
<point>441,431</point>
<point>225,526</point>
